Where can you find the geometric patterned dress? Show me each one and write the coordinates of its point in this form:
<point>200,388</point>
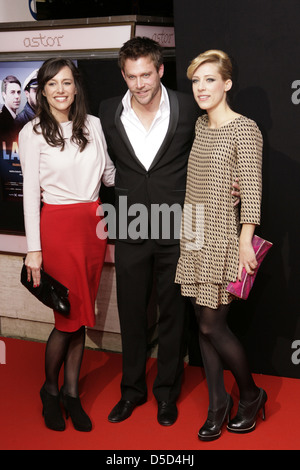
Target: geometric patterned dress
<point>211,223</point>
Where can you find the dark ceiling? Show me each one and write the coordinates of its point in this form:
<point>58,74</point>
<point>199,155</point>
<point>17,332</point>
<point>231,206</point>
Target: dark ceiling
<point>68,9</point>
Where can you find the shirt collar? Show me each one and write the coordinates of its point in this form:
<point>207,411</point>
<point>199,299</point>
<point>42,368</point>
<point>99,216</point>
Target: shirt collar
<point>164,100</point>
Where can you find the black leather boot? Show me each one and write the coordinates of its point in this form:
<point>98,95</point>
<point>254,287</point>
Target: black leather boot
<point>51,411</point>
<point>245,419</point>
<point>73,408</point>
<point>212,427</point>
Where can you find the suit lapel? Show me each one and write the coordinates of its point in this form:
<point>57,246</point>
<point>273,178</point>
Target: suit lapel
<point>121,130</point>
<point>174,116</point>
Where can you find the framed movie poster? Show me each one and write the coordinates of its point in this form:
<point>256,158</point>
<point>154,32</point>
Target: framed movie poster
<point>18,81</point>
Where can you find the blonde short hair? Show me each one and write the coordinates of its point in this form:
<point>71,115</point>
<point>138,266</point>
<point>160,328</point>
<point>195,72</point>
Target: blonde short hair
<point>212,56</point>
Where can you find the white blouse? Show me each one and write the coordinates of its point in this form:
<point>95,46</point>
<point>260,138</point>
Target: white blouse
<point>66,177</point>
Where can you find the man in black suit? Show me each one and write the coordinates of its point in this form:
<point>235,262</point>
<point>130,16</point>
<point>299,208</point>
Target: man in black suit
<point>149,133</point>
<point>28,113</point>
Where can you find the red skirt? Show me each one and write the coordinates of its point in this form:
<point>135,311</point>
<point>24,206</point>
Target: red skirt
<point>74,255</point>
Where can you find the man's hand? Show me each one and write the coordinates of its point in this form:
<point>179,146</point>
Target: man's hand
<point>236,191</point>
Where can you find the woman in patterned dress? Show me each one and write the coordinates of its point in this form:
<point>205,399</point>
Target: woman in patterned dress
<point>217,235</point>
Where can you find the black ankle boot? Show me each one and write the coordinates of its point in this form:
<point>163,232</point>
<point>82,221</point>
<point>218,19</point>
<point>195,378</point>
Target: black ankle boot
<point>51,411</point>
<point>73,408</point>
<point>245,420</point>
<point>212,427</point>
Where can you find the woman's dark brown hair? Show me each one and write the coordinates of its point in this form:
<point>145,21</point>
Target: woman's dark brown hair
<point>47,123</point>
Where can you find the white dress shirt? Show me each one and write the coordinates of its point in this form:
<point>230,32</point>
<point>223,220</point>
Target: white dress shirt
<point>146,143</point>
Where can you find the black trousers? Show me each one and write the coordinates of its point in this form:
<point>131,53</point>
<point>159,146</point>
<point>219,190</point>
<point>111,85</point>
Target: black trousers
<point>137,265</point>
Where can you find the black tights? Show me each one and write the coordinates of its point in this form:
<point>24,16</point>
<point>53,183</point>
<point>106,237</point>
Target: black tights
<point>219,348</point>
<point>64,348</point>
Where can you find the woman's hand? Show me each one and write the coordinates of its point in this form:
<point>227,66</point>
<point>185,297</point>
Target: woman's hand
<point>247,258</point>
<point>33,263</point>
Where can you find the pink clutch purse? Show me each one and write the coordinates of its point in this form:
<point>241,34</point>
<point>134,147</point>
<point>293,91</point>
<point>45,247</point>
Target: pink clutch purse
<point>242,288</point>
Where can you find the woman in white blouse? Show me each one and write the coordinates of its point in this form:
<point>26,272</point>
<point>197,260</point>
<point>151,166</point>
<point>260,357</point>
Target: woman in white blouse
<point>63,151</point>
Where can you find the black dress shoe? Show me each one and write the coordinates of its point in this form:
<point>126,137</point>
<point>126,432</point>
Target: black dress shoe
<point>167,413</point>
<point>124,409</point>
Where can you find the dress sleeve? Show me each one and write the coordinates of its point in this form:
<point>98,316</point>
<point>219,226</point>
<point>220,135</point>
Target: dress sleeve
<point>108,176</point>
<point>29,153</point>
<point>249,167</point>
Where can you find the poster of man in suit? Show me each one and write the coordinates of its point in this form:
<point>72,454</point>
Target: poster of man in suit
<point>17,107</point>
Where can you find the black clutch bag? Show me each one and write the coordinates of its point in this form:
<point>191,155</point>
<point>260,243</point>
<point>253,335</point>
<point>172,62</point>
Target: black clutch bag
<point>50,292</point>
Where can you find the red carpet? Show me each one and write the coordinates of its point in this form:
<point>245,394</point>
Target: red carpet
<point>22,426</point>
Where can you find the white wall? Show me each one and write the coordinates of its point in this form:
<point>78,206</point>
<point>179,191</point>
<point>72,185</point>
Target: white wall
<point>22,315</point>
<point>17,10</point>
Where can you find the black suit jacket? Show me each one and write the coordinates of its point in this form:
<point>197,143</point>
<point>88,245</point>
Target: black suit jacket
<point>160,187</point>
<point>8,129</point>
